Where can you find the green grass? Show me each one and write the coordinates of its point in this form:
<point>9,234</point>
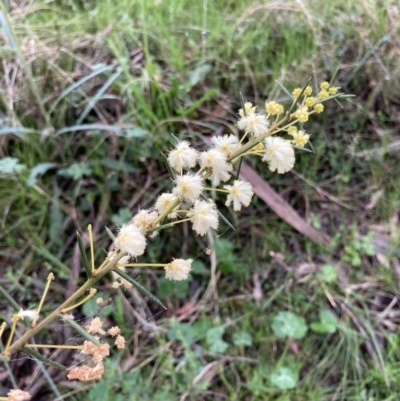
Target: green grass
<point>102,85</point>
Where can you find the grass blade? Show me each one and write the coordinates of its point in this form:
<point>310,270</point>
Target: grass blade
<point>43,359</point>
<point>334,77</point>
<point>110,234</point>
<point>77,327</point>
<point>175,140</point>
<point>39,169</point>
<point>301,94</point>
<point>139,287</point>
<point>169,168</point>
<point>10,299</point>
<point>90,127</point>
<point>51,258</point>
<point>10,34</point>
<point>226,221</point>
<point>284,89</point>
<point>84,258</point>
<point>92,102</point>
<point>17,131</point>
<point>99,70</point>
<point>315,80</point>
<point>195,105</point>
<point>239,168</point>
<point>361,63</point>
<point>242,104</point>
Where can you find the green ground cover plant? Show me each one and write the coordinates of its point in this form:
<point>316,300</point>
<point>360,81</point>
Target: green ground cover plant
<point>90,93</point>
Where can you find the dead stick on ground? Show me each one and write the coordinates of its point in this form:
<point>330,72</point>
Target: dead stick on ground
<point>280,206</point>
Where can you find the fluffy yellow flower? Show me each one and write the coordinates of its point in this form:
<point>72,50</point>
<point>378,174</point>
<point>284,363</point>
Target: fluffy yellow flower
<point>164,202</point>
<point>296,92</point>
<point>226,144</point>
<point>333,91</point>
<point>319,108</point>
<point>279,154</point>
<point>240,193</point>
<point>115,330</point>
<point>130,240</point>
<point>86,373</point>
<point>323,94</point>
<point>292,129</point>
<point>324,85</point>
<point>95,327</point>
<point>310,101</point>
<point>248,109</point>
<point>120,342</point>
<point>300,138</point>
<point>213,159</point>
<point>273,108</point>
<point>256,124</point>
<point>301,114</point>
<point>188,187</point>
<point>183,156</point>
<point>178,269</point>
<point>144,219</point>
<point>98,352</point>
<point>308,91</point>
<point>204,216</point>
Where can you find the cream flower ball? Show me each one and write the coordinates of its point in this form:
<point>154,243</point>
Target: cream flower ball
<point>240,193</point>
<point>183,156</point>
<point>204,216</point>
<point>226,143</point>
<point>178,269</point>
<point>164,202</point>
<point>279,154</point>
<point>130,240</point>
<point>188,187</point>
<point>257,124</point>
<point>144,219</point>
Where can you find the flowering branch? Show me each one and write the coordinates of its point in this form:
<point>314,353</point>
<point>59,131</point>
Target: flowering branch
<point>185,203</point>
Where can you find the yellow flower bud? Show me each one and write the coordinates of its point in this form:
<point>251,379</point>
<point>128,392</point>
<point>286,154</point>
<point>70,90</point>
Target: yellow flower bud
<point>301,114</point>
<point>296,92</point>
<point>274,108</point>
<point>323,94</point>
<point>333,91</point>
<point>324,85</point>
<point>308,91</point>
<point>300,138</point>
<point>310,101</point>
<point>319,108</point>
<point>259,147</point>
<point>248,109</point>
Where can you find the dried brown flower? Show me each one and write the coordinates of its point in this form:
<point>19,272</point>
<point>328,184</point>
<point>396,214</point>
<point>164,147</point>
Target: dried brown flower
<point>86,373</point>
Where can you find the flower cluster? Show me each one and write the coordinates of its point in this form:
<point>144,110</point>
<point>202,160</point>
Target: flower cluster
<point>276,150</point>
<point>272,135</point>
<point>188,201</point>
<point>97,352</point>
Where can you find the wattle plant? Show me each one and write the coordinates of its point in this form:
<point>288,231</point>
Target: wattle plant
<point>273,136</point>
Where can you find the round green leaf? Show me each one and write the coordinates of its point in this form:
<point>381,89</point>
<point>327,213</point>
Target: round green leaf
<point>243,338</point>
<point>284,378</point>
<point>287,324</point>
